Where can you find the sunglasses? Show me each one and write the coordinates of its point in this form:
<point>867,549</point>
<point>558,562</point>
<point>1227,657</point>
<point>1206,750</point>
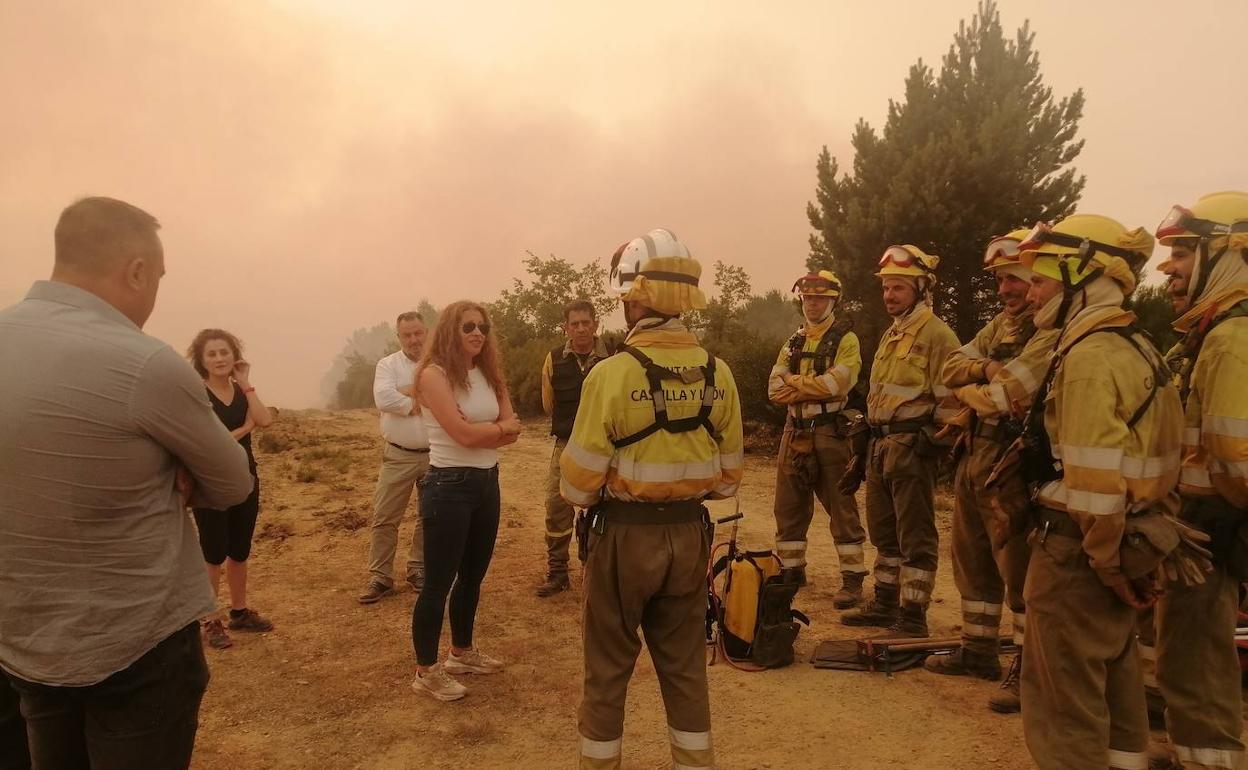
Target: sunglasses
<point>471,326</point>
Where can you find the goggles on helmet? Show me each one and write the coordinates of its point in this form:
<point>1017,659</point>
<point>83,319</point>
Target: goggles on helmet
<point>1181,220</point>
<point>1086,248</point>
<point>999,248</point>
<point>902,258</point>
<point>815,284</point>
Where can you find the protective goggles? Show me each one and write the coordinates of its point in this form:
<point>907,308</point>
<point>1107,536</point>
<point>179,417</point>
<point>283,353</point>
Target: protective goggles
<point>1085,248</point>
<point>1181,220</point>
<point>900,257</point>
<point>815,284</point>
<point>1000,248</point>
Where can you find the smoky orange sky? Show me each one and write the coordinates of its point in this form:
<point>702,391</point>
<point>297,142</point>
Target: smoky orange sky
<point>320,165</point>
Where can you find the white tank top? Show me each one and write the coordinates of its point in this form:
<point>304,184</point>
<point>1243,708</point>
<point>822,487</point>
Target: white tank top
<point>479,404</point>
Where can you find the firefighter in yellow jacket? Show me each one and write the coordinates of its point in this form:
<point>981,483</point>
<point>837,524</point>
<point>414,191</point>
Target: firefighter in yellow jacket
<point>993,379</point>
<point>812,378</point>
<point>903,406</point>
<point>1102,453</point>
<point>1197,667</point>
<point>658,431</point>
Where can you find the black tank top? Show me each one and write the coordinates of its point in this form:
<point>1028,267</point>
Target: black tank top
<point>232,416</point>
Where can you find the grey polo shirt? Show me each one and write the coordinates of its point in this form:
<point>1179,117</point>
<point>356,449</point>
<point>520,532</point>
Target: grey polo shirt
<point>99,561</point>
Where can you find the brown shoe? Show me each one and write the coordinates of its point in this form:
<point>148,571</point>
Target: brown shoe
<point>1007,700</point>
<point>249,620</point>
<point>910,622</point>
<point>555,583</point>
<point>215,635</point>
<point>417,580</point>
<point>850,594</point>
<point>964,662</point>
<point>374,592</point>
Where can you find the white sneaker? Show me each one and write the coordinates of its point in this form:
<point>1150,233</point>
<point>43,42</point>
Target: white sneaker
<point>439,684</point>
<point>472,662</point>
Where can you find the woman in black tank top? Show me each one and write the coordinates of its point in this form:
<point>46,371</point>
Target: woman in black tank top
<point>225,536</point>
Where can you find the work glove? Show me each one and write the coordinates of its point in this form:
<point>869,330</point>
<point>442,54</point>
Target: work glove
<point>1191,560</point>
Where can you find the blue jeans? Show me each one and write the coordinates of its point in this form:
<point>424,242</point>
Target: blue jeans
<point>459,510</point>
<point>142,716</point>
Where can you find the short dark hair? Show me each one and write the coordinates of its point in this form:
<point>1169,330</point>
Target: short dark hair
<point>94,232</point>
<point>579,306</point>
<point>410,315</point>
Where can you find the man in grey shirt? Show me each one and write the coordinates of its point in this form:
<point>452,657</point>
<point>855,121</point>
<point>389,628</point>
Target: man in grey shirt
<point>106,435</point>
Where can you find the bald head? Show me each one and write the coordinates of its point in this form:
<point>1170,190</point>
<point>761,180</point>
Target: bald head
<point>110,248</point>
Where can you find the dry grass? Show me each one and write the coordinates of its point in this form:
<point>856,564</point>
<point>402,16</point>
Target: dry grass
<point>329,687</point>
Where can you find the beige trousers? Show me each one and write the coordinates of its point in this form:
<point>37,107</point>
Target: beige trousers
<point>400,471</point>
<point>560,517</point>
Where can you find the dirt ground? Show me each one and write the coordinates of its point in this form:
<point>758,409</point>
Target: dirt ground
<point>329,687</point>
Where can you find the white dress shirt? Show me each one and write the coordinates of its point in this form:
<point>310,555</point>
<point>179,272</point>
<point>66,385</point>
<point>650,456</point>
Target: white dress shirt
<point>398,424</point>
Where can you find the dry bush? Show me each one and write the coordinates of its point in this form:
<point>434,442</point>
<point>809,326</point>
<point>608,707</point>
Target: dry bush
<point>348,519</point>
<point>306,473</point>
<point>275,530</point>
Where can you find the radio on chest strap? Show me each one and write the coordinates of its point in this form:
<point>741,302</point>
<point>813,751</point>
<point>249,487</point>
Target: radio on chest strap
<point>655,375</point>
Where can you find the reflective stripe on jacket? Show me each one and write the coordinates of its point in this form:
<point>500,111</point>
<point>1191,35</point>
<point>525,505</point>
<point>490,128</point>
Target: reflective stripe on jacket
<point>616,403</point>
<point>1215,436</point>
<point>1011,391</point>
<point>1109,469</point>
<point>810,393</point>
<point>905,375</point>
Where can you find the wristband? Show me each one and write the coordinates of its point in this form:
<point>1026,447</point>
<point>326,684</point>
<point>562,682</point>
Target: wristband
<point>249,390</point>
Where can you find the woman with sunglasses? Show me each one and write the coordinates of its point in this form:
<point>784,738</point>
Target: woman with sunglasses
<point>469,415</point>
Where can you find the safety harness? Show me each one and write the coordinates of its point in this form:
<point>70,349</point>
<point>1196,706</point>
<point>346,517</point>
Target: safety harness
<point>655,375</point>
<point>823,355</point>
<point>1037,464</point>
<point>1195,340</point>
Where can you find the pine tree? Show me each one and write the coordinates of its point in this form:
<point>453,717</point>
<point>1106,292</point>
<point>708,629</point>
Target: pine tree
<point>978,150</point>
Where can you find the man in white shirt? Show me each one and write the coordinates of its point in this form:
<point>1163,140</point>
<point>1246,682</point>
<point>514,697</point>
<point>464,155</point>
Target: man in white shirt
<point>405,459</point>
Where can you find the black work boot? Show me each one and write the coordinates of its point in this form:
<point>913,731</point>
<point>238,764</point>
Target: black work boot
<point>911,622</point>
<point>555,582</point>
<point>1007,700</point>
<point>882,611</point>
<point>850,594</point>
<point>796,575</point>
<point>964,662</point>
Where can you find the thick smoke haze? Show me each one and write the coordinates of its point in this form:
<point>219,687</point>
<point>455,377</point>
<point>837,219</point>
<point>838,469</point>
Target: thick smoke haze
<point>320,166</point>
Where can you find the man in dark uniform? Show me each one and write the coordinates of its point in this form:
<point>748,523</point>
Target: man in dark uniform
<point>562,374</point>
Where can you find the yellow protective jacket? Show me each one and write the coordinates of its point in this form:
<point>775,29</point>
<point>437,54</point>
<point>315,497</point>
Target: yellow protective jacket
<point>905,375</point>
<point>1110,470</point>
<point>1023,350</point>
<point>1215,435</point>
<point>616,403</point>
<point>810,393</point>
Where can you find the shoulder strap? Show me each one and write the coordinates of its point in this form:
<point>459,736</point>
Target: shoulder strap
<point>655,375</point>
<point>795,344</point>
<point>1128,333</point>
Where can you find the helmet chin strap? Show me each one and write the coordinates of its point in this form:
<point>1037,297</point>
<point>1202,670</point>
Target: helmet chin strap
<point>1070,289</point>
<point>1206,266</point>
